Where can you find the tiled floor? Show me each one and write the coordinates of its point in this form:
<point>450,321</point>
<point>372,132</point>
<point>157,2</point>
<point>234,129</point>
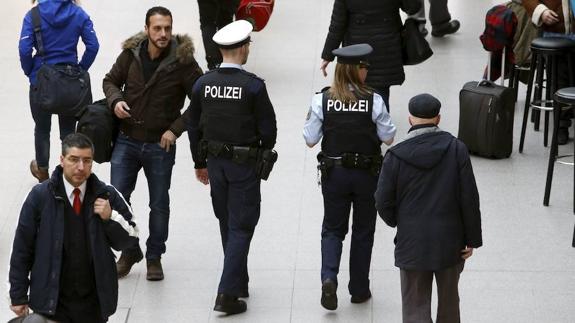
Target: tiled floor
<point>524,273</point>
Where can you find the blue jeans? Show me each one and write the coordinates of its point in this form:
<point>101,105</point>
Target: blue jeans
<point>235,191</point>
<point>43,124</point>
<point>128,158</point>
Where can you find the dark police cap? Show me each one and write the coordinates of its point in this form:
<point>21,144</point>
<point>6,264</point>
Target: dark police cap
<point>424,106</point>
<point>353,54</point>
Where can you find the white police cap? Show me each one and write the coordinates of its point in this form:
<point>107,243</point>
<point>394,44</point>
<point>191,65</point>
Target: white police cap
<point>233,35</point>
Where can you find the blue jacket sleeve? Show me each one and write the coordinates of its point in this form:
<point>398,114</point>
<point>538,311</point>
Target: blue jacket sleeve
<point>193,125</point>
<point>23,249</point>
<point>265,116</point>
<point>89,39</point>
<point>385,196</point>
<point>26,45</point>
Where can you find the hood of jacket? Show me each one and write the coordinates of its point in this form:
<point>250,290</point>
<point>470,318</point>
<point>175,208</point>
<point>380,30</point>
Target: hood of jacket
<point>424,151</point>
<point>182,46</point>
<point>57,12</point>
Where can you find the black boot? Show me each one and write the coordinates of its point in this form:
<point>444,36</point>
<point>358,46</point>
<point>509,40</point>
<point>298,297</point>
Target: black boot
<point>229,304</point>
<point>329,295</point>
<point>447,28</point>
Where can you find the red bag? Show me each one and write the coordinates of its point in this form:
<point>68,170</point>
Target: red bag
<point>257,12</point>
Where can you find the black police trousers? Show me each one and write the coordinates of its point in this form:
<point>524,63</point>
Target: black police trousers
<point>235,191</point>
<point>342,189</point>
<point>215,14</point>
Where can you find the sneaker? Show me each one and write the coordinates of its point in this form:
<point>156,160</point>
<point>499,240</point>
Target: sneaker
<point>329,295</point>
<point>445,28</point>
<point>127,260</point>
<point>229,304</point>
<point>155,271</point>
<point>41,174</point>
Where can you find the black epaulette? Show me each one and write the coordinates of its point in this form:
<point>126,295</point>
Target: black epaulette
<point>323,90</point>
<point>210,71</point>
<point>252,75</point>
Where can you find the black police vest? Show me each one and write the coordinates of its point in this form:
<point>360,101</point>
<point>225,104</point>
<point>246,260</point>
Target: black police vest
<point>349,128</point>
<point>228,108</point>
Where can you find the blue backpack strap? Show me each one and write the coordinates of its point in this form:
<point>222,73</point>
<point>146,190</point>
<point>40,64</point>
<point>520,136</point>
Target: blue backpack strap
<point>37,22</point>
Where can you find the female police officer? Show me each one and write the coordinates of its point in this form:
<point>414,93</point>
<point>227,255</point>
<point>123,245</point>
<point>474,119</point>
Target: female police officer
<point>353,121</point>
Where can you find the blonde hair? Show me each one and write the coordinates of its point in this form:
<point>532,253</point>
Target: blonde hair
<point>346,84</point>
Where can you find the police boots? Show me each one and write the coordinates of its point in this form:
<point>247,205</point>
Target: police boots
<point>229,304</point>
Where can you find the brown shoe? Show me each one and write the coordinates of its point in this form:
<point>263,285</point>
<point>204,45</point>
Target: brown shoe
<point>127,260</point>
<point>155,271</point>
<point>40,173</point>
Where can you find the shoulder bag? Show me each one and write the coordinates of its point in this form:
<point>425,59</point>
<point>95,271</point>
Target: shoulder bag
<point>63,89</point>
<point>415,49</point>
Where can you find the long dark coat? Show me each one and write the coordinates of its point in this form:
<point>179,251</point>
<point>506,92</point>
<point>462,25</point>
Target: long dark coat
<point>374,22</point>
<point>427,189</point>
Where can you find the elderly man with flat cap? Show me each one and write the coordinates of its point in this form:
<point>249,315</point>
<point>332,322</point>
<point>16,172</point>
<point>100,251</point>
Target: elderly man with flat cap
<point>232,130</point>
<point>427,190</point>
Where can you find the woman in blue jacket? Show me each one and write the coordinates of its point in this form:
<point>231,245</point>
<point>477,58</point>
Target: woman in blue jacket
<point>63,22</point>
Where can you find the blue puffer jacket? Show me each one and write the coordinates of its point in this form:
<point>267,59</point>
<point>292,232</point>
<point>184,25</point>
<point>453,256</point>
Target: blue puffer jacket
<point>36,261</point>
<point>63,23</point>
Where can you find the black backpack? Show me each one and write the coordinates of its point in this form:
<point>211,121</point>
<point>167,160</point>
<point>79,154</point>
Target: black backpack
<point>99,124</point>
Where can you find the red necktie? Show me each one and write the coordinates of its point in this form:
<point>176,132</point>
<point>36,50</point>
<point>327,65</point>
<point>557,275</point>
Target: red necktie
<point>77,203</point>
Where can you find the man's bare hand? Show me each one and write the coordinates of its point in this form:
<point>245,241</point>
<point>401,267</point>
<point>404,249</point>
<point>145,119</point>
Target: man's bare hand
<point>168,140</point>
<point>202,176</point>
<point>549,17</point>
<point>466,253</point>
<point>103,209</point>
<point>323,67</point>
<point>121,110</point>
<point>19,310</point>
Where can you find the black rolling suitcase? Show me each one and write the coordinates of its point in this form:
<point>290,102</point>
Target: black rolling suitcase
<point>486,113</point>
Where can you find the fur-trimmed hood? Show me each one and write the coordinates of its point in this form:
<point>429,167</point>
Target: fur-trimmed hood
<point>184,46</point>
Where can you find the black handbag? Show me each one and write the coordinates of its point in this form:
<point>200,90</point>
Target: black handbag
<point>62,89</point>
<point>100,124</point>
<point>414,48</point>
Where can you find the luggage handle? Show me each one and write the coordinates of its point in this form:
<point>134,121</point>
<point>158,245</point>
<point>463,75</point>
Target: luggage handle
<point>485,83</point>
<point>503,66</point>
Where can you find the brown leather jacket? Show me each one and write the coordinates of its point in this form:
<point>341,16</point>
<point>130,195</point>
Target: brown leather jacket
<point>154,105</point>
<point>561,7</point>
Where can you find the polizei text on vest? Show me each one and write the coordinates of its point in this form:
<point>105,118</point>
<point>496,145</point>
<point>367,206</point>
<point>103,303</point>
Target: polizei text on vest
<point>223,92</point>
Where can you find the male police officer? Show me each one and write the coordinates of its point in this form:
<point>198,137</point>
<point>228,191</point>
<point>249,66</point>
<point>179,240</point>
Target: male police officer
<point>232,124</point>
<point>354,122</point>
